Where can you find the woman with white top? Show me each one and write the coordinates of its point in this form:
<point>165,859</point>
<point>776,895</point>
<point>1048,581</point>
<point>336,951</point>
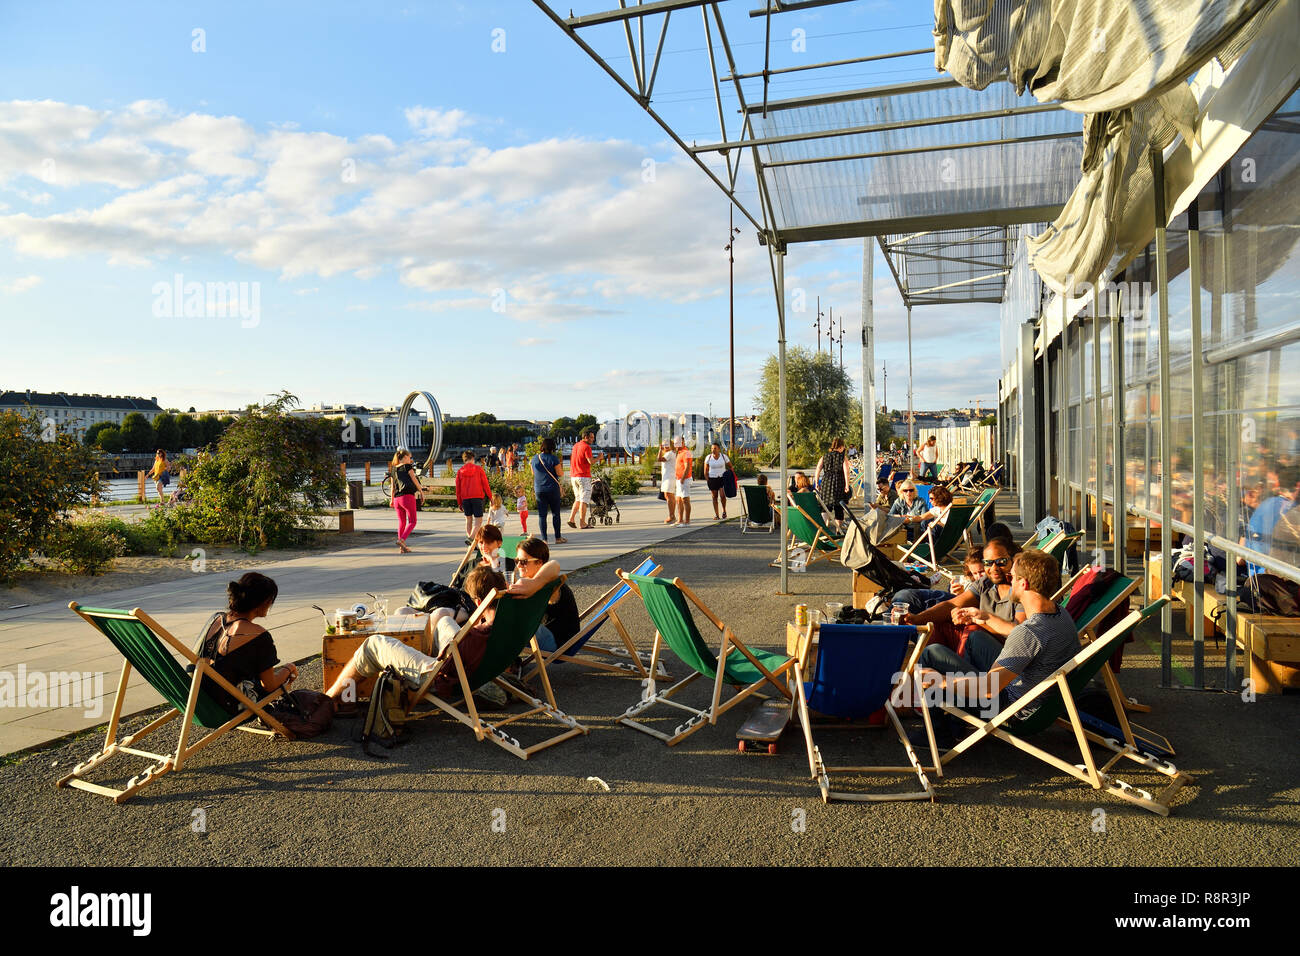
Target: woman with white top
<point>715,466</point>
<point>668,483</point>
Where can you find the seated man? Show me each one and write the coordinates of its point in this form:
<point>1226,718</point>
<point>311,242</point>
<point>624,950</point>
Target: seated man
<point>991,595</point>
<point>1007,669</point>
<point>380,651</point>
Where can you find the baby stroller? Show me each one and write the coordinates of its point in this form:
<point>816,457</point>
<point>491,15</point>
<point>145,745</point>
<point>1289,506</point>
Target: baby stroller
<point>862,556</point>
<point>603,506</point>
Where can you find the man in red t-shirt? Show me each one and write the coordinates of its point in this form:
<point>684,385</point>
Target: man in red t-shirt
<point>472,491</point>
<point>580,473</point>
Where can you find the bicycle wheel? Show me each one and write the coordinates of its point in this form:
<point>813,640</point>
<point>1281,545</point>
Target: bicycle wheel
<point>387,486</point>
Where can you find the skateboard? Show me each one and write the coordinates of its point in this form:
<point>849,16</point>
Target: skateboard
<point>764,725</point>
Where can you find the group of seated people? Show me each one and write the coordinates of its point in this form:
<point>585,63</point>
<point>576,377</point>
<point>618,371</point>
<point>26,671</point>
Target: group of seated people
<point>243,652</point>
<point>997,631</point>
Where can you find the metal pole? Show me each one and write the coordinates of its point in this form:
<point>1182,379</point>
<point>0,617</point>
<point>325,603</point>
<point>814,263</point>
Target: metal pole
<point>1166,449</point>
<point>1117,395</point>
<point>731,323</point>
<point>868,372</point>
<point>911,416</point>
<point>1081,475</point>
<point>1232,436</point>
<point>1198,477</point>
<point>785,465</point>
<point>1099,491</point>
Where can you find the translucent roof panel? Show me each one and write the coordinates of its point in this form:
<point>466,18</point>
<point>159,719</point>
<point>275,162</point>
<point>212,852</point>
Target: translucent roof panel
<point>906,171</point>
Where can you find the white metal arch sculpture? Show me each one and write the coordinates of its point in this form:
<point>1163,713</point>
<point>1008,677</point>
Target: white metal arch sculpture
<point>435,419</point>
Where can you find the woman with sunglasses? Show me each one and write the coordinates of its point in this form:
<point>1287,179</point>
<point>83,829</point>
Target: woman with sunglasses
<point>911,506</point>
<point>991,594</point>
<point>534,568</point>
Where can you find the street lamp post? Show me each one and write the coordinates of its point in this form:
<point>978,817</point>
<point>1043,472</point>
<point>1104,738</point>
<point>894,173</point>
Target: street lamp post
<point>732,233</point>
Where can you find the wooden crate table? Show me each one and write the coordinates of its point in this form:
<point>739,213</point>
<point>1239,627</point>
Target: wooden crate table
<point>1273,644</point>
<point>337,649</point>
<point>793,635</point>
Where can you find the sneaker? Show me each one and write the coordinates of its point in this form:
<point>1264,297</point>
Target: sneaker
<point>492,694</point>
<point>943,742</point>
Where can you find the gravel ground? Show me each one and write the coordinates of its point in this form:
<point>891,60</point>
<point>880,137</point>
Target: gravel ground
<point>443,798</point>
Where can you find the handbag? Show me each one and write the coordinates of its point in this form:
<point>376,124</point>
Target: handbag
<point>304,713</point>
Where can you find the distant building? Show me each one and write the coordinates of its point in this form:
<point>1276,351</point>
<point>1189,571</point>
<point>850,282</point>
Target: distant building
<point>73,413</point>
<point>380,427</point>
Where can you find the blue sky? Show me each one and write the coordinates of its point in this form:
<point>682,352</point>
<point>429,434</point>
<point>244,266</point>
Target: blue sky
<point>414,209</point>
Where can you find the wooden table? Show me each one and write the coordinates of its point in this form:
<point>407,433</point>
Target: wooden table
<point>337,649</point>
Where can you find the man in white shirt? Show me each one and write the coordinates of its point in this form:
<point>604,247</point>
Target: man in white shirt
<point>929,457</point>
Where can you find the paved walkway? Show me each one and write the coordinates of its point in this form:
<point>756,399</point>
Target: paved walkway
<point>50,639</point>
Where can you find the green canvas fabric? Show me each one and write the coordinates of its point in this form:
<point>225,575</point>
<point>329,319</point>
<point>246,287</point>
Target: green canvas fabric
<point>147,654</point>
<point>666,605</point>
<point>959,519</point>
<point>1115,589</point>
<point>806,531</point>
<point>1056,548</point>
<point>1051,705</point>
<point>517,620</point>
<point>756,503</point>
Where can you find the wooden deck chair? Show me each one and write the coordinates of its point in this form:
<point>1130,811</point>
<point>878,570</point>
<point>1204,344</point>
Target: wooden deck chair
<point>1116,595</point>
<point>514,628</point>
<point>932,549</point>
<point>994,478</point>
<point>759,515</point>
<point>1054,698</point>
<point>747,669</point>
<point>983,505</point>
<point>859,668</point>
<point>1059,542</point>
<point>810,530</point>
<point>148,648</point>
<point>626,659</point>
<point>809,502</point>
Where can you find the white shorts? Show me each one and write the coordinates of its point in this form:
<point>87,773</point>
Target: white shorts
<point>582,490</point>
<point>683,487</point>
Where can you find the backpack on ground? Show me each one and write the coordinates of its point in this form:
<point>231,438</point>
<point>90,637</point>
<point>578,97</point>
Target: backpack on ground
<point>385,721</point>
<point>304,713</point>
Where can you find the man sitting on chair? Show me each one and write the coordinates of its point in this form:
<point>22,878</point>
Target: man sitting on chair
<point>1006,669</point>
<point>992,596</point>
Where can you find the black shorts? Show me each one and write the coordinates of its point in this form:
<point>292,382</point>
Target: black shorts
<point>717,484</point>
<point>473,507</point>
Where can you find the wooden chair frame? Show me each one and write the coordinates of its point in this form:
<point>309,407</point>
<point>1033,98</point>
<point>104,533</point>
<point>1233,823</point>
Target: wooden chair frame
<point>927,537</point>
<point>470,717</point>
<point>627,659</point>
<point>184,750</point>
<point>708,716</point>
<point>823,546</point>
<point>822,771</point>
<point>1096,776</point>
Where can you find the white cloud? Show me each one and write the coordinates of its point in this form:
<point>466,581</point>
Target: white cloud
<point>20,285</point>
<point>436,123</point>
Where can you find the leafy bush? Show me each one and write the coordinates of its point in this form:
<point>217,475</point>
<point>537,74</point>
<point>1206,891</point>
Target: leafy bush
<point>86,547</point>
<point>624,480</point>
<point>745,467</point>
<point>271,475</point>
<point>40,481</point>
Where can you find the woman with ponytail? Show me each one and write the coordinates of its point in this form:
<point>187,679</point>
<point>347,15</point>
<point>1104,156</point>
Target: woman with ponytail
<point>406,491</point>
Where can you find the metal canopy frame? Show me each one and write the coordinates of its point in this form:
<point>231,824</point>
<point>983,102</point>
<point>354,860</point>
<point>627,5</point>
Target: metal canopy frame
<point>852,163</point>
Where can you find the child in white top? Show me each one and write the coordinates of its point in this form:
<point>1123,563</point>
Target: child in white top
<point>497,514</point>
<point>974,571</point>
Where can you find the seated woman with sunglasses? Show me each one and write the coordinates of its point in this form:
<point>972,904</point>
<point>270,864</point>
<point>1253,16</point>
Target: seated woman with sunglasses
<point>534,568</point>
<point>952,619</point>
<point>911,506</point>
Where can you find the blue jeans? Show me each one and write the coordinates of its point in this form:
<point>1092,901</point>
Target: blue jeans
<point>548,502</point>
<point>929,469</point>
<point>545,639</point>
<point>982,651</point>
<point>919,599</point>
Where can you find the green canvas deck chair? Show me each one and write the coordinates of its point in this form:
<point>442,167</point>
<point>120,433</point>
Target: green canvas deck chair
<point>1117,594</point>
<point>860,668</point>
<point>932,549</point>
<point>148,648</point>
<point>514,629</point>
<point>1058,543</point>
<point>983,505</point>
<point>810,530</point>
<point>748,670</point>
<point>1054,698</point>
<point>809,502</point>
<point>620,660</point>
<point>759,515</point>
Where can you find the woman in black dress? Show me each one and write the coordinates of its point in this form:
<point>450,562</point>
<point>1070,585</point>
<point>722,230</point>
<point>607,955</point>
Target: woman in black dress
<point>241,650</point>
<point>832,478</point>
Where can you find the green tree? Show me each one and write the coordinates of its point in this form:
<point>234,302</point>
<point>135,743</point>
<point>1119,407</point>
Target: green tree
<point>209,430</point>
<point>585,421</point>
<point>166,433</point>
<point>40,481</point>
<point>92,433</point>
<point>271,475</point>
<point>819,404</point>
<point>483,418</point>
<point>191,431</point>
<point>110,439</point>
<point>563,427</point>
<point>137,433</point>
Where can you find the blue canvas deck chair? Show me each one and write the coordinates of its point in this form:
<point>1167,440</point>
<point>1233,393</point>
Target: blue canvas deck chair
<point>759,514</point>
<point>994,478</point>
<point>747,670</point>
<point>149,648</point>
<point>620,660</point>
<point>513,629</point>
<point>860,669</point>
<point>1052,701</point>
